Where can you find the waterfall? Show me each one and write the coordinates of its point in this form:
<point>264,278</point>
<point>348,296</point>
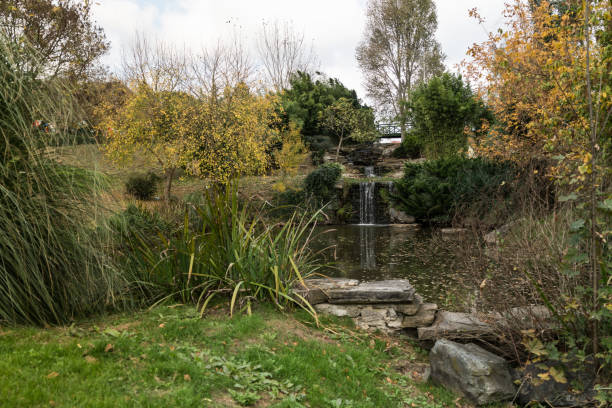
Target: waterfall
<point>369,171</point>
<point>367,215</point>
<point>367,255</point>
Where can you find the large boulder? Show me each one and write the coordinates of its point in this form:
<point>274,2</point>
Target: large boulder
<point>470,370</point>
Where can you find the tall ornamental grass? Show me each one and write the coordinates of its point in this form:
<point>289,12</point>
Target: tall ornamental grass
<point>52,268</point>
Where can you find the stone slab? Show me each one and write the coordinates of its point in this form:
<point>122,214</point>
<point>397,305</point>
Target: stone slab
<point>455,325</point>
<point>424,317</point>
<point>350,291</point>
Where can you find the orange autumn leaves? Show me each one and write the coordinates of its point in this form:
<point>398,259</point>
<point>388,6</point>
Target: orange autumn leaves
<point>533,75</point>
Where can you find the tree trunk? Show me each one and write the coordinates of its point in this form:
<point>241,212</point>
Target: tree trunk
<point>339,146</point>
<point>169,177</point>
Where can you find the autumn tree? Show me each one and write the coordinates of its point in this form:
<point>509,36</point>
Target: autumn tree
<point>398,50</point>
<point>61,33</point>
<point>547,78</point>
<point>154,126</point>
<point>533,75</point>
<point>283,51</point>
<point>231,137</point>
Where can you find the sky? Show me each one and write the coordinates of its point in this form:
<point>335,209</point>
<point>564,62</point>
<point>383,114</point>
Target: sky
<point>333,27</point>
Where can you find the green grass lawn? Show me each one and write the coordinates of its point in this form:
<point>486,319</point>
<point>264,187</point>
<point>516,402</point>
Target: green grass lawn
<point>169,357</point>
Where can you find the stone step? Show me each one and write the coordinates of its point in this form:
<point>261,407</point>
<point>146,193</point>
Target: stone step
<point>349,291</point>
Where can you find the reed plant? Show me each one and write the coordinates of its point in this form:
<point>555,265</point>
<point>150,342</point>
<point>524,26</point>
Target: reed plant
<point>52,266</point>
<point>227,250</point>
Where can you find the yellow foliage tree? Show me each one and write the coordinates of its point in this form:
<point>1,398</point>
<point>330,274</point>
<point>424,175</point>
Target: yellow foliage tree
<point>533,75</point>
<point>212,138</point>
<point>154,125</point>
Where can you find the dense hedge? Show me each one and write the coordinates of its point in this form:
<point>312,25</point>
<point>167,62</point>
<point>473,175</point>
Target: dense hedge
<point>435,190</point>
<point>320,183</point>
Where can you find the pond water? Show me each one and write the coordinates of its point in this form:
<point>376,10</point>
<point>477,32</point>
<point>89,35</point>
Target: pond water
<point>376,252</point>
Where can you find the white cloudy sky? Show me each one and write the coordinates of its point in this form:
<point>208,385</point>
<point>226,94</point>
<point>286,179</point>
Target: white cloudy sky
<point>335,27</point>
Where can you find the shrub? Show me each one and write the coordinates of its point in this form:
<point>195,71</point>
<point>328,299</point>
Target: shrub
<point>318,145</point>
<point>411,148</point>
<point>435,190</point>
<point>320,183</point>
<point>142,186</point>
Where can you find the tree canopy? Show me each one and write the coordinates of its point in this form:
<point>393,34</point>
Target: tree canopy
<point>60,34</point>
<point>440,110</point>
<point>399,49</point>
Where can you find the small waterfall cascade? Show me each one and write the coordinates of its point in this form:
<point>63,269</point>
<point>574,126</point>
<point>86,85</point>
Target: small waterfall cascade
<point>367,215</point>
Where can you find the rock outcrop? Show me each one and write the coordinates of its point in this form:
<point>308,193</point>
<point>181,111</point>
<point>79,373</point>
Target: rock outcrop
<point>400,217</point>
<point>388,306</point>
<point>468,369</point>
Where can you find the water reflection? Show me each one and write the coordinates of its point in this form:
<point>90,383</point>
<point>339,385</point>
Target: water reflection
<point>372,252</point>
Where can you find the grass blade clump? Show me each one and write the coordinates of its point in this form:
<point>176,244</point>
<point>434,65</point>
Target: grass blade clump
<point>226,249</point>
<point>51,266</point>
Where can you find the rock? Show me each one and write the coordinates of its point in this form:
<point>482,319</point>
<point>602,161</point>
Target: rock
<point>411,226</point>
<point>365,155</point>
<point>384,319</point>
<point>390,291</point>
<point>350,291</point>
<point>338,310</point>
<point>525,318</point>
<point>315,291</point>
<point>453,233</point>
<point>410,309</point>
<point>492,238</point>
<point>479,375</point>
<point>400,217</point>
<point>424,317</point>
<point>455,325</point>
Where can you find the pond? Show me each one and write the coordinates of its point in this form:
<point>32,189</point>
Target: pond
<point>375,252</point>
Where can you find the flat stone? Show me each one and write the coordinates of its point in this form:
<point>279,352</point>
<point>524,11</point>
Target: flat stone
<point>315,291</point>
<point>424,317</point>
<point>468,369</point>
<point>338,310</point>
<point>455,325</point>
<point>390,291</point>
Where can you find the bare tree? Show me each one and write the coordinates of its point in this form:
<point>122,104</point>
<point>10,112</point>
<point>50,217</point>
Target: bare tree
<point>399,49</point>
<point>220,66</point>
<point>158,65</point>
<point>283,52</point>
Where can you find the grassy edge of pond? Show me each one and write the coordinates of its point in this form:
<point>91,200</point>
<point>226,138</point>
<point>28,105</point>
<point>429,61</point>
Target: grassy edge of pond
<point>168,356</point>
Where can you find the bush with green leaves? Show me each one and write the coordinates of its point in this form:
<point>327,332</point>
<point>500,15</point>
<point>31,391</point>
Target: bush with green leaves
<point>410,148</point>
<point>142,186</point>
<point>320,183</point>
<point>53,266</point>
<point>434,191</point>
